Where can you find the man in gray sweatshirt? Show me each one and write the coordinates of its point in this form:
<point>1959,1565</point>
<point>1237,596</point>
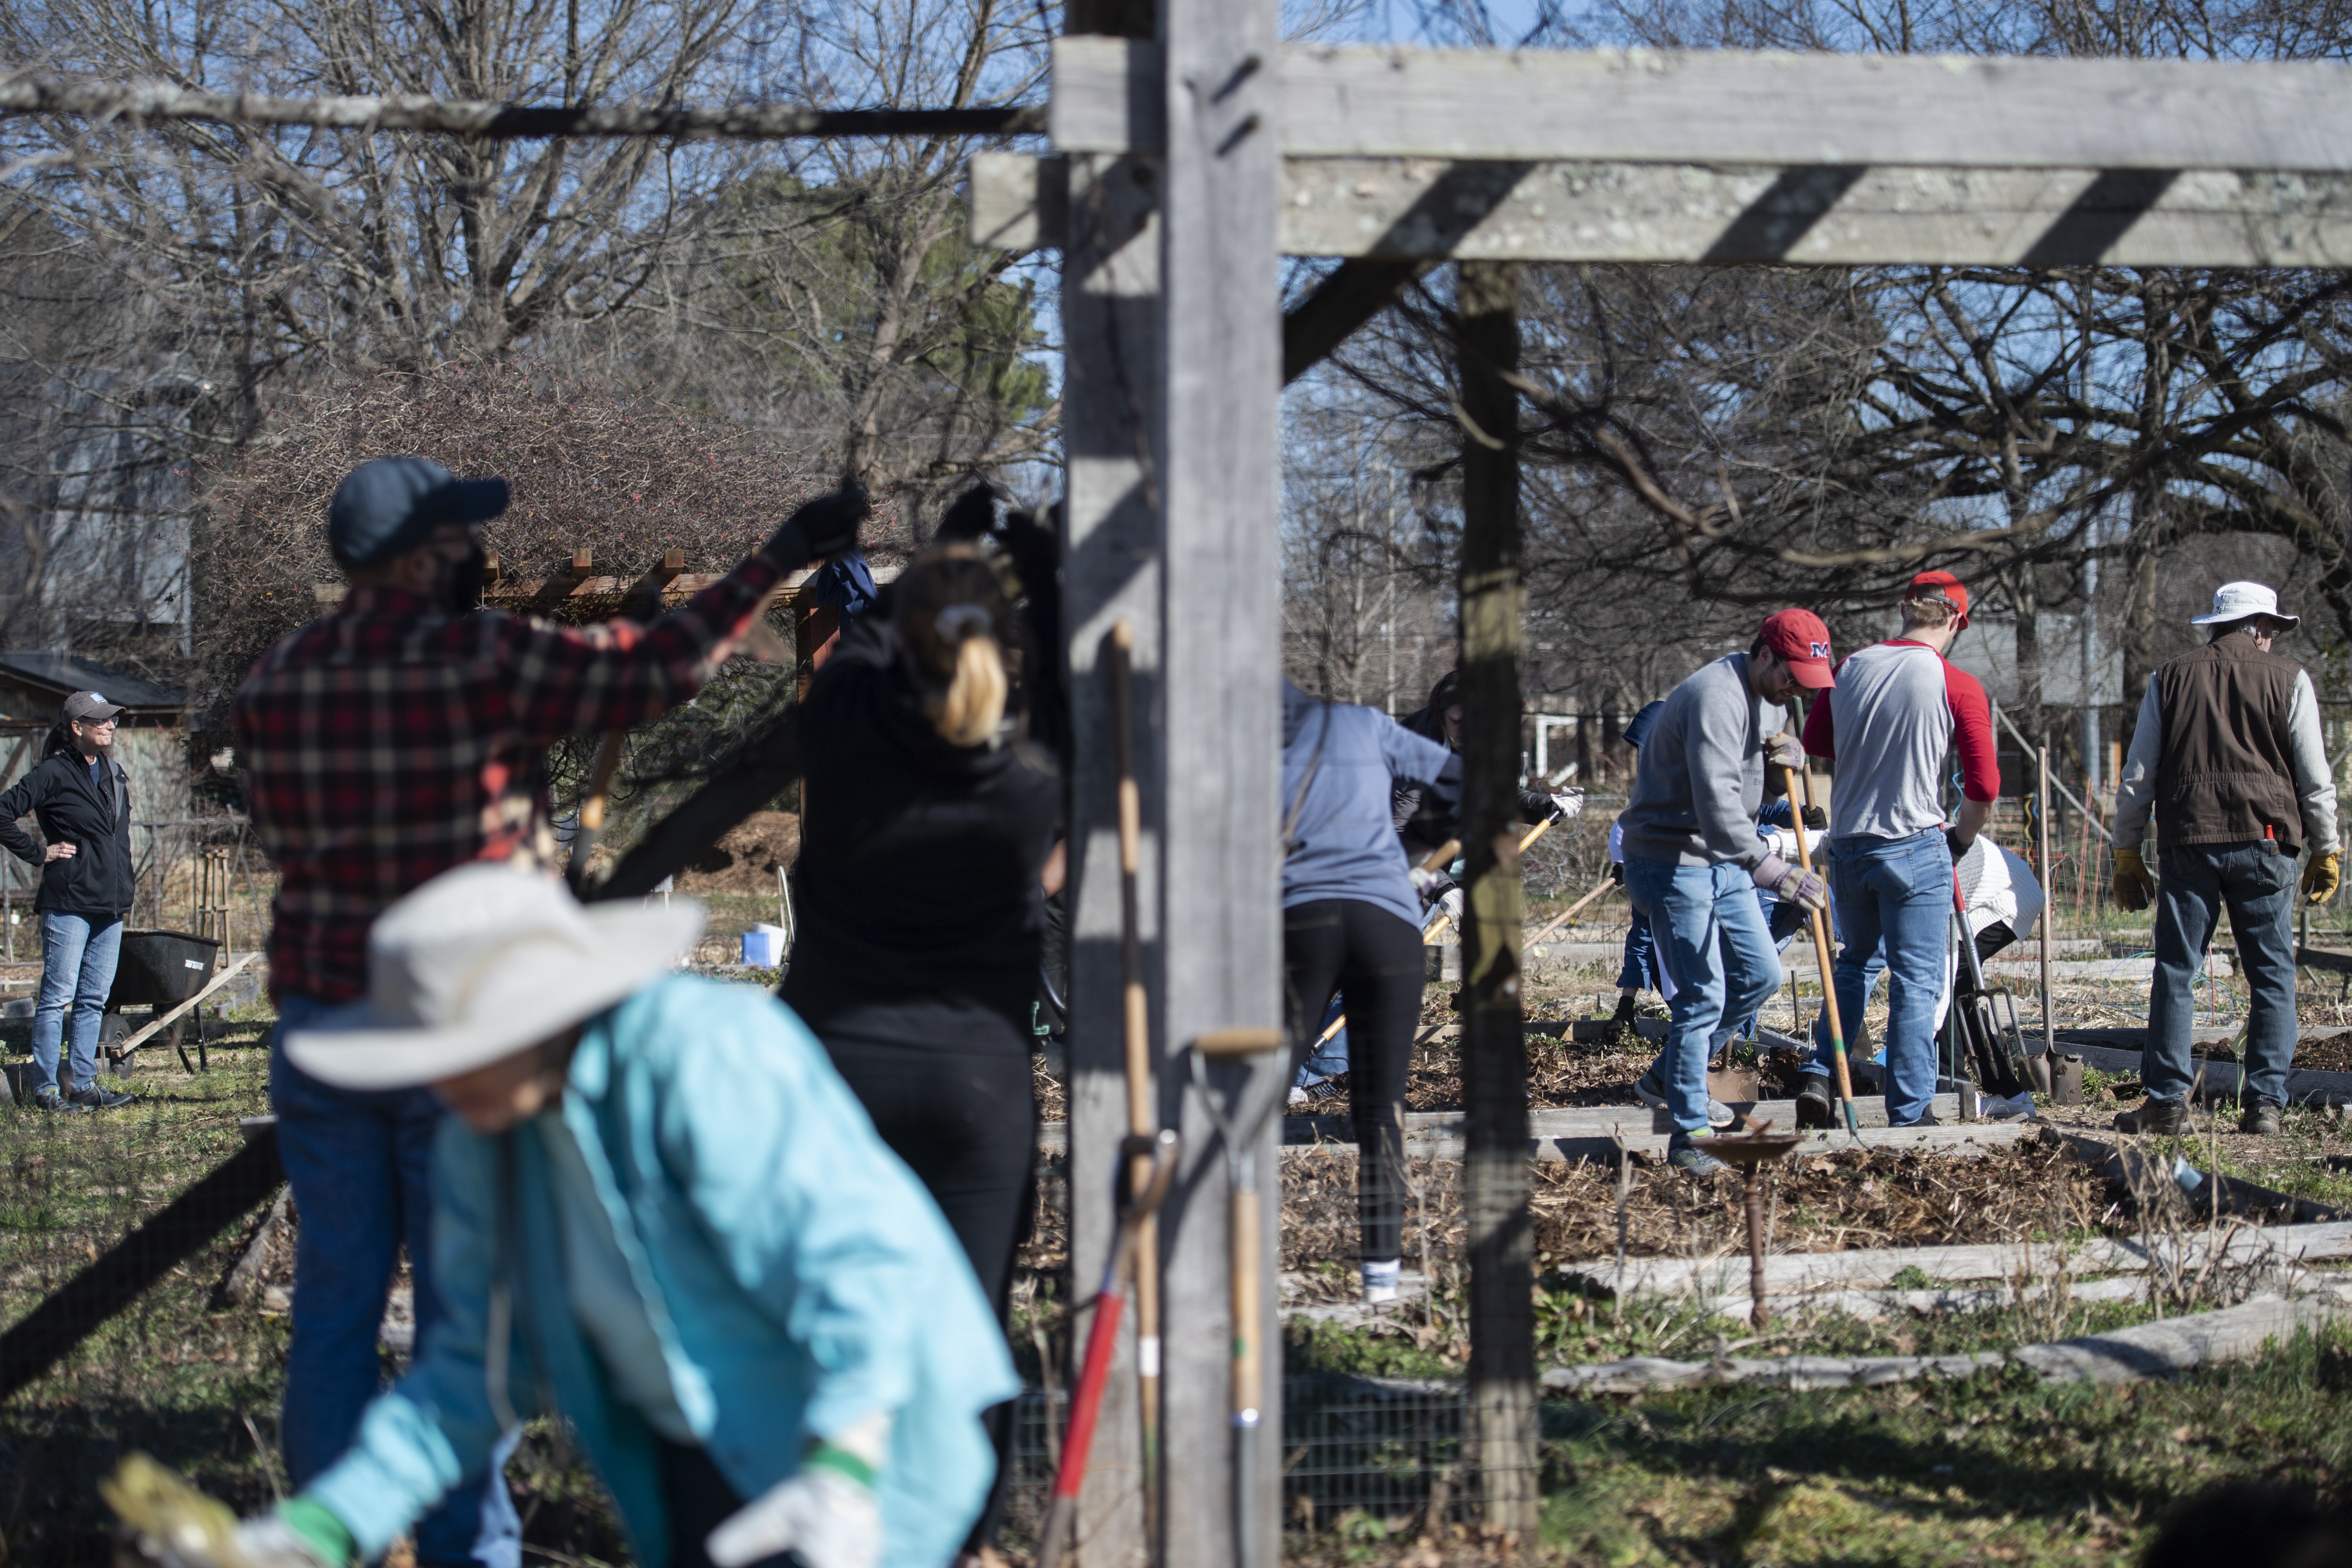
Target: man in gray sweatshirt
<point>1693,859</point>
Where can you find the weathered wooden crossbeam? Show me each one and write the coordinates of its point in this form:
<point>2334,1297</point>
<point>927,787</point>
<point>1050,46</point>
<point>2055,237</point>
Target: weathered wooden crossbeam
<point>1419,209</point>
<point>1774,110</point>
<point>140,101</point>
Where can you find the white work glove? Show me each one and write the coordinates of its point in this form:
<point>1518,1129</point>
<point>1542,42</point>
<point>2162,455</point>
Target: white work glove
<point>1791,883</point>
<point>1449,902</point>
<point>831,1521</point>
<point>1424,879</point>
<point>1785,750</point>
<point>1567,804</point>
<point>269,1542</point>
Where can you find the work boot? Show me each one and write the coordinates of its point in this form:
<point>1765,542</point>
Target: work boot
<point>1651,1090</point>
<point>2261,1119</point>
<point>1684,1153</point>
<point>96,1096</point>
<point>2162,1117</point>
<point>1816,1105</point>
<point>48,1097</point>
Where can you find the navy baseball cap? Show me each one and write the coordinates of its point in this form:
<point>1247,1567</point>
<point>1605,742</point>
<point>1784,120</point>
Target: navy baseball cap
<point>387,505</point>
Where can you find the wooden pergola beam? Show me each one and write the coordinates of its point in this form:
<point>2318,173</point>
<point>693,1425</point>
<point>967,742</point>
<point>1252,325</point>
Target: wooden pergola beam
<point>1422,210</point>
<point>139,102</point>
<point>1725,107</point>
<point>1353,294</point>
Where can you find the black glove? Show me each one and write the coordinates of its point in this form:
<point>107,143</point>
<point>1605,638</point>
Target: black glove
<point>969,516</point>
<point>1815,819</point>
<point>1617,872</point>
<point>825,526</point>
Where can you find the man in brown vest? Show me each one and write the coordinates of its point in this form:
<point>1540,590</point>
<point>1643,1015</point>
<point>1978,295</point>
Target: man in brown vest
<point>2227,749</point>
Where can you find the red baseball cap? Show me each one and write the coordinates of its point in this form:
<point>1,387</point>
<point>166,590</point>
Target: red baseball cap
<point>1945,586</point>
<point>1799,638</point>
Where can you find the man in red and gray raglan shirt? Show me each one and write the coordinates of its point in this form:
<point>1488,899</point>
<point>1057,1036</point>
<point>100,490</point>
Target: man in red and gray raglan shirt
<point>1897,712</point>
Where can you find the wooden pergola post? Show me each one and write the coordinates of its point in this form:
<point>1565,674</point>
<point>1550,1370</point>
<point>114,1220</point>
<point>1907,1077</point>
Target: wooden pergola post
<point>1502,1392</point>
<point>1172,322</point>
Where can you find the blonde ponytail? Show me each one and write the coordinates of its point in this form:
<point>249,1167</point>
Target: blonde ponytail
<point>974,704</point>
<point>955,626</point>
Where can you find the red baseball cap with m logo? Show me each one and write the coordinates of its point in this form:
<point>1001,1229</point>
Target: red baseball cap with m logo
<point>1803,642</point>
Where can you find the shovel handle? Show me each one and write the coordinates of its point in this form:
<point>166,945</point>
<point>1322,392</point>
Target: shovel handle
<point>1822,957</point>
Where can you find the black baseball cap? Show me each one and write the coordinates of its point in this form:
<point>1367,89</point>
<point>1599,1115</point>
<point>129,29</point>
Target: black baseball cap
<point>387,505</point>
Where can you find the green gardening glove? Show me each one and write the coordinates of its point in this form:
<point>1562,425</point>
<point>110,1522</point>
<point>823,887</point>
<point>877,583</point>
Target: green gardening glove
<point>2132,888</point>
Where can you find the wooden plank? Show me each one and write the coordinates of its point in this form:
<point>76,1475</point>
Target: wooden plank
<point>1402,208</point>
<point>2221,1077</point>
<point>2162,1349</point>
<point>1808,110</point>
<point>1220,475</point>
<point>163,1020</point>
<point>1877,1267</point>
<point>1419,209</point>
<point>1500,1414</point>
<point>1111,569</point>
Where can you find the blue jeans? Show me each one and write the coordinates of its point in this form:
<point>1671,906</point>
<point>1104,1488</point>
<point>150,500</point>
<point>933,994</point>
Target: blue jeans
<point>77,959</point>
<point>1894,903</point>
<point>359,1164</point>
<point>1711,939</point>
<point>1639,971</point>
<point>2258,888</point>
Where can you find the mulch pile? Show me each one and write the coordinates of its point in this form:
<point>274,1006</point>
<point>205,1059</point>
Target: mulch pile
<point>2329,1053</point>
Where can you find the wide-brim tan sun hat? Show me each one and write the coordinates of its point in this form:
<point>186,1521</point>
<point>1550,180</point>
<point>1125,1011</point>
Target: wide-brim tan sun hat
<point>480,962</point>
<point>2236,601</point>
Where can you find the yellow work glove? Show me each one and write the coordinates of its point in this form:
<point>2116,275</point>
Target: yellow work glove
<point>2132,888</point>
<point>2321,876</point>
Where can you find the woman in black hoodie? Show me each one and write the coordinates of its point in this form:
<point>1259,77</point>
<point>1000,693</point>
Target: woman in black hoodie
<point>81,797</point>
<point>928,819</point>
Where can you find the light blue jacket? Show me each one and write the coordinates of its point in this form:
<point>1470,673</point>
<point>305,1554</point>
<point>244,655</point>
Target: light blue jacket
<point>796,1274</point>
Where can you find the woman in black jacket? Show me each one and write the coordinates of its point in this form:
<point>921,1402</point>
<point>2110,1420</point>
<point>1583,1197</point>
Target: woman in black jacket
<point>928,820</point>
<point>81,797</point>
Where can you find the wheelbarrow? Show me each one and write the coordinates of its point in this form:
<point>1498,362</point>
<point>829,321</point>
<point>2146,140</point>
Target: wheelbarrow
<point>159,969</point>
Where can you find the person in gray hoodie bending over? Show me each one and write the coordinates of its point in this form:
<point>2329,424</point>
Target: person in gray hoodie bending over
<point>1352,924</point>
<point>1693,860</point>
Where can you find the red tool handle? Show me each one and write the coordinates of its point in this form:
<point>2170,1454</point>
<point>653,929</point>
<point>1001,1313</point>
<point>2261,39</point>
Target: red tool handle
<point>1087,1404</point>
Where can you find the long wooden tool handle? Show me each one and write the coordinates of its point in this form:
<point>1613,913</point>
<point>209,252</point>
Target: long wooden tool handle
<point>1142,1110</point>
<point>1572,911</point>
<point>1820,923</point>
<point>1249,1370</point>
<point>1443,855</point>
<point>592,808</point>
<point>1829,917</point>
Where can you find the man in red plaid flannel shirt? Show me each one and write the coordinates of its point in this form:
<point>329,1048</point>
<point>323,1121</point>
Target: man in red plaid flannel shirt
<point>401,735</point>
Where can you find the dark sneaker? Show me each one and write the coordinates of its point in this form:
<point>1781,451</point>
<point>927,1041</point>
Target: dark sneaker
<point>1926,1119</point>
<point>2162,1117</point>
<point>1816,1106</point>
<point>48,1097</point>
<point>1684,1153</point>
<point>97,1097</point>
<point>1651,1090</point>
<point>2261,1119</point>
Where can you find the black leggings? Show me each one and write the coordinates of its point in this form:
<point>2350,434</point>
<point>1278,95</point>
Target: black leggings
<point>698,1499</point>
<point>1372,959</point>
<point>949,1088</point>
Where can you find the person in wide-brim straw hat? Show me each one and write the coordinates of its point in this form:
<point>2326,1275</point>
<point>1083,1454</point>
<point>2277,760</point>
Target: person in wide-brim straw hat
<point>2226,750</point>
<point>659,1212</point>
